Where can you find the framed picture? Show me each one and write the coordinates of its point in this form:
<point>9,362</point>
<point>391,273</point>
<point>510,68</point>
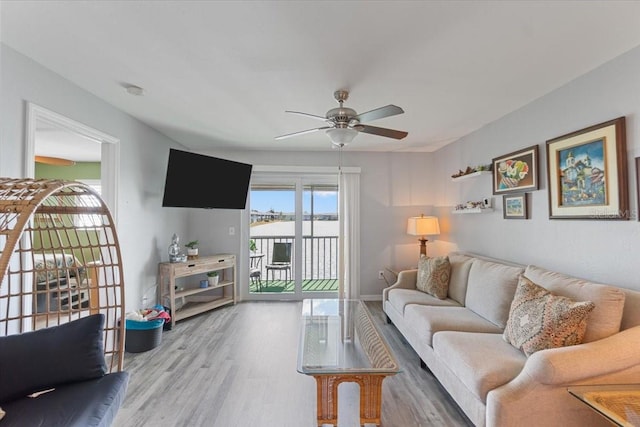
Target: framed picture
<point>587,172</point>
<point>516,172</point>
<point>514,206</point>
<point>637,212</point>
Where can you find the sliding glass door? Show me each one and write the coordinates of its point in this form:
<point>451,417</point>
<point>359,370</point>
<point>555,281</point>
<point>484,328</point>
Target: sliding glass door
<point>293,246</point>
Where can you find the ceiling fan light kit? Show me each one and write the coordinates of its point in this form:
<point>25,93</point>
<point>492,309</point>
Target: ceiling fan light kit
<point>341,136</point>
<point>344,124</point>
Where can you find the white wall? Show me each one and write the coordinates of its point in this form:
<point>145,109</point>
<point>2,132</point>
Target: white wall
<point>144,228</point>
<point>394,186</point>
<point>605,251</point>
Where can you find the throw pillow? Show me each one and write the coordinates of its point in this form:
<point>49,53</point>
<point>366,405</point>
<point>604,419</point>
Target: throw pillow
<point>433,276</point>
<point>539,320</point>
<point>42,359</point>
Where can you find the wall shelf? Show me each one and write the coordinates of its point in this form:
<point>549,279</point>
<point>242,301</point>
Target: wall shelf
<point>470,175</point>
<point>472,211</point>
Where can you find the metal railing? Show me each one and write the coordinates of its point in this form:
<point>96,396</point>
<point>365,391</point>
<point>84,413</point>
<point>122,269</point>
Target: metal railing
<point>319,255</point>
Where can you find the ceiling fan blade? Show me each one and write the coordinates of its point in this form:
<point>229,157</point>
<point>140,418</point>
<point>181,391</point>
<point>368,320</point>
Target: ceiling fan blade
<point>56,161</point>
<point>302,132</point>
<point>389,133</point>
<point>379,113</point>
<point>313,116</point>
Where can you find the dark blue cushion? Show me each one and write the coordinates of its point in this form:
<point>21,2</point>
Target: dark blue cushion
<point>35,361</point>
<point>92,403</point>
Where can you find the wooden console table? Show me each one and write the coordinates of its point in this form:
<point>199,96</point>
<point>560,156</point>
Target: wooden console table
<point>196,299</point>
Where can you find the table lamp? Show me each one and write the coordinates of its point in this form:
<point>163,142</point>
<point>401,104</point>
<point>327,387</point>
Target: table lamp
<point>423,226</point>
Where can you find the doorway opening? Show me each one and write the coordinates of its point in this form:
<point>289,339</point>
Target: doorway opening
<point>88,153</point>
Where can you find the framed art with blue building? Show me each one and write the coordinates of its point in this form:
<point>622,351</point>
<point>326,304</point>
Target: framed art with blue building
<point>587,172</point>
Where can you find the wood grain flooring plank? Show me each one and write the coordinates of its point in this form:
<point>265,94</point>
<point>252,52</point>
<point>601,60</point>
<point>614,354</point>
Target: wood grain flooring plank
<point>236,367</point>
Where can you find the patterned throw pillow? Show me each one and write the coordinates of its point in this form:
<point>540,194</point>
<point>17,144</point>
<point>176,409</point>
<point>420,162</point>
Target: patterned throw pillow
<point>433,276</point>
<point>539,320</point>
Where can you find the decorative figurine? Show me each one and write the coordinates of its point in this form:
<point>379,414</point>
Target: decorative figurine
<point>174,250</point>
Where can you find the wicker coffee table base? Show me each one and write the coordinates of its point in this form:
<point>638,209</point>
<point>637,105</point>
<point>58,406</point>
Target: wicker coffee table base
<point>370,396</point>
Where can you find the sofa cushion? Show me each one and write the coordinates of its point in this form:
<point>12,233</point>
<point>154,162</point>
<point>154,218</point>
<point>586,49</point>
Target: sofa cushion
<point>460,266</point>
<point>427,320</point>
<point>539,320</point>
<point>400,298</point>
<point>433,276</point>
<point>481,361</point>
<point>605,318</point>
<point>92,403</point>
<point>38,360</point>
<point>490,290</point>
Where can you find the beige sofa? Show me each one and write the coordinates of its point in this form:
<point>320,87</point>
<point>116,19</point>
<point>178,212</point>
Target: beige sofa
<point>460,340</point>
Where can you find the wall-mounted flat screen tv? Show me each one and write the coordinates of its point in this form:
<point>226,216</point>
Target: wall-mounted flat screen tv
<point>199,181</point>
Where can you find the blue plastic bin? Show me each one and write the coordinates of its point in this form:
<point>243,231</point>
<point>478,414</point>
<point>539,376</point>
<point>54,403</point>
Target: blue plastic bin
<point>142,336</point>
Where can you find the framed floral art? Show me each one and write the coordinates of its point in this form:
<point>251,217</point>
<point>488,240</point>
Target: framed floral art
<point>587,172</point>
<point>516,172</point>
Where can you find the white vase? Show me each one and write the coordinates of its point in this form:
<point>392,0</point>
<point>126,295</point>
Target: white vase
<point>213,281</point>
<point>192,251</point>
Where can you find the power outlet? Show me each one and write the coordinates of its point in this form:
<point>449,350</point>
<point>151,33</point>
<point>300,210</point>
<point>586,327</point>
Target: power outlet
<point>380,275</point>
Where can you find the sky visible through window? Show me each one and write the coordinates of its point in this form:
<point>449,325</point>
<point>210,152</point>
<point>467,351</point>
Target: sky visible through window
<point>284,201</point>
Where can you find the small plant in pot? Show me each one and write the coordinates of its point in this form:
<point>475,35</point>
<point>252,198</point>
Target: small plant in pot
<point>212,276</point>
<point>192,249</point>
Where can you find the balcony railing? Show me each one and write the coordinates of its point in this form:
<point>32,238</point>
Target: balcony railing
<point>319,262</point>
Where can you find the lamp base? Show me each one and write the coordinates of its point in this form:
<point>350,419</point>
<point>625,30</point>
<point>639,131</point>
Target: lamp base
<point>423,246</point>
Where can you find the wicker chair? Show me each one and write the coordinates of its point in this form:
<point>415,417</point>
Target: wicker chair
<point>60,262</point>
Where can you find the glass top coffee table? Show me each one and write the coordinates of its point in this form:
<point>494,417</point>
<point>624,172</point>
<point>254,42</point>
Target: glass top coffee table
<point>339,343</point>
<point>619,404</point>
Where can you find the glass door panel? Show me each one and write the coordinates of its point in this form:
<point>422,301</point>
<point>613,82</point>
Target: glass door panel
<point>320,240</point>
<point>272,236</point>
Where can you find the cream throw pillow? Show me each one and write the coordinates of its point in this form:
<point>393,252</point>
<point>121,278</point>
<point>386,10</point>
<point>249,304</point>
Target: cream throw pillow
<point>539,320</point>
<point>433,276</point>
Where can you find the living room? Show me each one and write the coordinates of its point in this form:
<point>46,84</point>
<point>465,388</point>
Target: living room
<point>394,184</point>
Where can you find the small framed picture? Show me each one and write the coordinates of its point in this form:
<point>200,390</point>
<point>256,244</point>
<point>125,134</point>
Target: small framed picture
<point>514,206</point>
<point>637,212</point>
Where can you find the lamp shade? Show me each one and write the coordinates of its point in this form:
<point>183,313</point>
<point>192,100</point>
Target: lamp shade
<point>423,226</point>
<point>341,136</point>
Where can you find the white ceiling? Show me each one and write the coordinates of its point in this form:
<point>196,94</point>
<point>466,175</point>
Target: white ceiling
<point>220,74</point>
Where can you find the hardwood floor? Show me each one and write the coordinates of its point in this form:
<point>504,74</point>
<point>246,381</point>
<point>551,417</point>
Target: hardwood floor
<point>236,366</point>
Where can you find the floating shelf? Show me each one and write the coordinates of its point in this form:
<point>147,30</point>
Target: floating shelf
<point>470,175</point>
<point>472,211</point>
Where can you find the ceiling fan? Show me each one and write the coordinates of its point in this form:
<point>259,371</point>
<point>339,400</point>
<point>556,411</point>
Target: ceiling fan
<point>56,161</point>
<point>343,123</point>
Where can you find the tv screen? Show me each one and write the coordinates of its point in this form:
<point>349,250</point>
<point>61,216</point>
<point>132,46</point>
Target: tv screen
<point>199,181</point>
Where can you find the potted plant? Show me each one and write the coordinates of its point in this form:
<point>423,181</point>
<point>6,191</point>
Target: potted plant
<point>192,249</point>
<point>212,276</point>
<point>252,245</point>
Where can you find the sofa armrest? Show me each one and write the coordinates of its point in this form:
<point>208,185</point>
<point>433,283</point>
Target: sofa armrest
<point>406,280</point>
<point>567,365</point>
